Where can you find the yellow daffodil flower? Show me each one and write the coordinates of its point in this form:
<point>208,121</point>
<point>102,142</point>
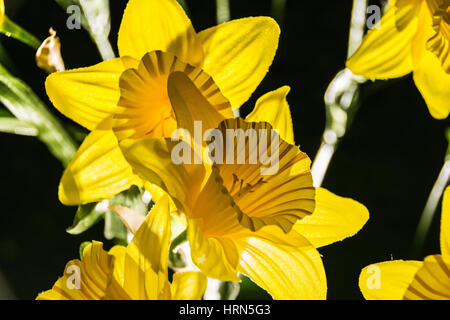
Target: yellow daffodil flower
<point>412,36</point>
<point>127,97</point>
<point>238,220</point>
<point>138,271</point>
<point>413,280</point>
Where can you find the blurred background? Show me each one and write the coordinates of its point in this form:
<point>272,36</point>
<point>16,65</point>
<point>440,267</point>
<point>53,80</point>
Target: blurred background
<point>388,160</point>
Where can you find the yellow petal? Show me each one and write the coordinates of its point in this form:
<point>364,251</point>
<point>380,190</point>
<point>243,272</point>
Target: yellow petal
<point>238,55</point>
<point>83,280</point>
<point>439,43</point>
<point>386,52</point>
<point>287,266</point>
<point>98,171</point>
<point>150,25</point>
<point>274,109</point>
<point>445,224</point>
<point>152,158</point>
<point>142,272</point>
<point>387,280</point>
<point>432,281</point>
<point>188,286</point>
<point>334,219</point>
<point>434,85</point>
<point>190,105</point>
<point>88,95</point>
<point>216,257</point>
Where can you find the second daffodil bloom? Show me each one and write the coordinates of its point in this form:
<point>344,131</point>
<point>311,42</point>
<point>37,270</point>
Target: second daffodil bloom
<point>412,36</point>
<point>240,220</point>
<point>127,97</point>
<point>137,272</point>
<point>413,280</point>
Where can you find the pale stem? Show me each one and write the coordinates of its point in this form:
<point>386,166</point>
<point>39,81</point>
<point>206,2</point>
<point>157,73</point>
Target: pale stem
<point>341,99</point>
<point>223,11</point>
<point>430,209</point>
<point>19,127</point>
<point>105,48</point>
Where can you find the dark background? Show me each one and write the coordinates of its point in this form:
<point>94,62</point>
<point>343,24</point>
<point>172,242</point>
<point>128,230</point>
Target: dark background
<point>388,160</point>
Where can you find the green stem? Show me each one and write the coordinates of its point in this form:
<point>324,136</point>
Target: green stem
<point>278,9</point>
<point>13,30</point>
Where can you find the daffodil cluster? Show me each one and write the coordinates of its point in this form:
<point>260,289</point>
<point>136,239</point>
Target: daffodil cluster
<point>238,220</point>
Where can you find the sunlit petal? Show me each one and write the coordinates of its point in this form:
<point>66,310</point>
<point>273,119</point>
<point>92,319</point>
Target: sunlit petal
<point>334,219</point>
<point>387,280</point>
<point>150,25</point>
<point>238,55</point>
<point>88,95</point>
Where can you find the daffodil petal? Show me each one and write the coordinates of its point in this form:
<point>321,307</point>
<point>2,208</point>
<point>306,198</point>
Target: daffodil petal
<point>387,280</point>
<point>152,159</point>
<point>445,224</point>
<point>439,43</point>
<point>145,265</point>
<point>432,280</point>
<point>274,109</point>
<point>216,257</point>
<point>386,50</point>
<point>434,85</point>
<point>88,95</point>
<point>150,25</point>
<point>188,286</point>
<point>98,171</point>
<point>83,280</point>
<point>334,219</point>
<point>287,266</point>
<point>238,55</point>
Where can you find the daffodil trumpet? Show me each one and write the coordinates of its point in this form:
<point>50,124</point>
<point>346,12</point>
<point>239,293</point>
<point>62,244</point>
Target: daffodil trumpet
<point>413,280</point>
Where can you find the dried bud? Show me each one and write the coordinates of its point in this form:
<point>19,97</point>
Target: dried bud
<point>48,56</point>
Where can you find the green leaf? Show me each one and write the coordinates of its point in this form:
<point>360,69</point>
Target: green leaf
<point>87,215</point>
<point>114,228</point>
<point>82,247</point>
<point>25,105</point>
<point>13,30</point>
